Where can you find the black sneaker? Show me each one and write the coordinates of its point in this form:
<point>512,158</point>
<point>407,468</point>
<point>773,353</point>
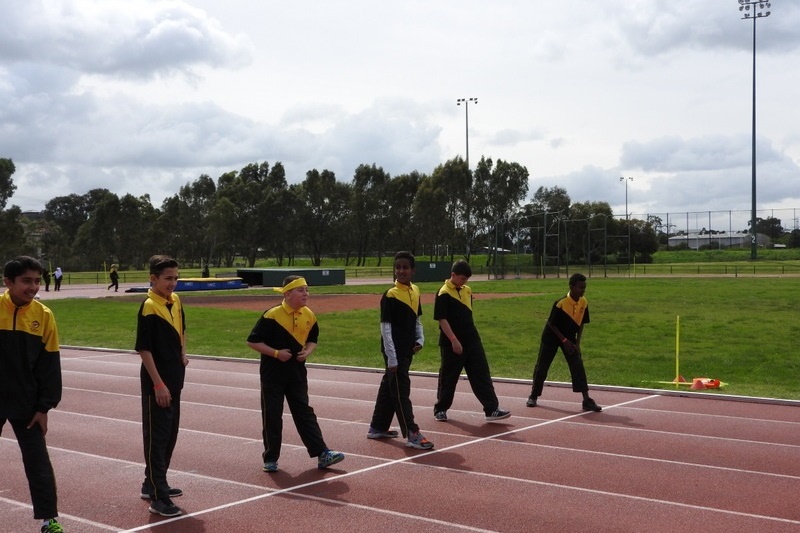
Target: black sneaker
<point>172,493</point>
<point>164,507</point>
<point>441,416</point>
<point>531,401</point>
<point>497,414</point>
<point>591,405</point>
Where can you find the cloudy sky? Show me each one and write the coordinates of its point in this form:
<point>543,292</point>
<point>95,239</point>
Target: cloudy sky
<point>141,96</point>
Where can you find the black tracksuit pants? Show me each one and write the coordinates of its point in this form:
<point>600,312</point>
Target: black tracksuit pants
<point>160,433</point>
<point>547,353</point>
<point>473,360</point>
<point>394,398</point>
<point>288,380</point>
<point>38,469</point>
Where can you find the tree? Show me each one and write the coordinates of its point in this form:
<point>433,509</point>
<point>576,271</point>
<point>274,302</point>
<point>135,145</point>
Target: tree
<point>247,192</point>
<point>134,238</point>
<point>369,209</point>
<point>68,213</point>
<point>770,226</point>
<point>7,186</point>
<point>324,203</point>
<point>12,233</point>
<point>401,193</point>
<point>430,217</point>
<point>497,192</point>
<point>542,219</point>
<point>196,200</point>
<point>96,240</point>
<point>455,180</point>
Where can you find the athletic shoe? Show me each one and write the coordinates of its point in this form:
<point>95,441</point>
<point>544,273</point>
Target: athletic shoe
<point>328,458</point>
<point>388,434</point>
<point>52,526</point>
<point>164,507</point>
<point>172,493</point>
<point>531,401</point>
<point>498,414</point>
<point>270,466</point>
<point>441,416</point>
<point>418,441</point>
<point>591,405</point>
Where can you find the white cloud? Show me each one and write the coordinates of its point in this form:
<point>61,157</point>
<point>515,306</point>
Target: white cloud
<point>143,96</point>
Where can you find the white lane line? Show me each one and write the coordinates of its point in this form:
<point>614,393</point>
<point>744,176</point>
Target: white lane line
<point>72,518</point>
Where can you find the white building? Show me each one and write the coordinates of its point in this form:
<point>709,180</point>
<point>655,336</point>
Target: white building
<point>716,240</point>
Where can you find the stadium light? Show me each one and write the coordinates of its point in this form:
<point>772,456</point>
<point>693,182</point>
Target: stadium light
<point>627,221</point>
<point>754,10</point>
<point>466,102</point>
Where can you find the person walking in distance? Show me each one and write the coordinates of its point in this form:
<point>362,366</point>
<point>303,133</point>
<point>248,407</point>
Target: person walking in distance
<point>114,275</point>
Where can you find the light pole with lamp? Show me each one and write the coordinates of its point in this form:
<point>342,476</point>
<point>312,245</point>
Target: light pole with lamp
<point>758,11</point>
<point>627,221</point>
<point>466,102</point>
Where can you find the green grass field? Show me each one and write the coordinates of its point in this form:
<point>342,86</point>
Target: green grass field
<point>742,331</point>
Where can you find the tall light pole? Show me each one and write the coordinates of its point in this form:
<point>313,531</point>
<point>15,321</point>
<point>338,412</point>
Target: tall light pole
<point>466,102</point>
<point>627,221</point>
<point>752,9</point>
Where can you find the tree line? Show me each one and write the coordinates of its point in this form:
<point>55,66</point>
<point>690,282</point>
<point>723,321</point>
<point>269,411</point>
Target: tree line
<point>254,213</point>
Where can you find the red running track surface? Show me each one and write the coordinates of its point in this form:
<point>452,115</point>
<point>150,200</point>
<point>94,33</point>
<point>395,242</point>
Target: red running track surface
<point>646,463</point>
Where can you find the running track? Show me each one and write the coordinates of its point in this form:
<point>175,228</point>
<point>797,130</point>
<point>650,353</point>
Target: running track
<point>646,463</point>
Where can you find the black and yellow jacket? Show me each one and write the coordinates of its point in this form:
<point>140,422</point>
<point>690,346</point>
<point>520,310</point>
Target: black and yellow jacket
<point>160,330</point>
<point>30,361</point>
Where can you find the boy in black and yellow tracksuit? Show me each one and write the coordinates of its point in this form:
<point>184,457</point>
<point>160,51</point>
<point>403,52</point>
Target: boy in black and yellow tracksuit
<point>564,329</point>
<point>402,336</point>
<point>161,343</point>
<point>30,379</point>
<point>285,336</point>
<point>461,348</point>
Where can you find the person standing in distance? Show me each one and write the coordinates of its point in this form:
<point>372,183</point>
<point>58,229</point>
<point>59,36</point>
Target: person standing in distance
<point>564,328</point>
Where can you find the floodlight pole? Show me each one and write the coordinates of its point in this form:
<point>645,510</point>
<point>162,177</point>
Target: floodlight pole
<point>627,221</point>
<point>758,11</point>
<point>466,102</point>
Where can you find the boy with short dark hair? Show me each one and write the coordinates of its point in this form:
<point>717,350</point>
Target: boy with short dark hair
<point>161,343</point>
<point>564,328</point>
<point>30,380</point>
<point>285,335</point>
<point>401,337</point>
<point>461,348</point>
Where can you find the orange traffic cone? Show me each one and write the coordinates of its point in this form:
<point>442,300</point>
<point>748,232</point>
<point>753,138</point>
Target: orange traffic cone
<point>679,379</point>
<point>697,384</point>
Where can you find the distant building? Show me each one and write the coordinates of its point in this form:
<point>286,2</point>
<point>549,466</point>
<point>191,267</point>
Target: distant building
<point>694,241</point>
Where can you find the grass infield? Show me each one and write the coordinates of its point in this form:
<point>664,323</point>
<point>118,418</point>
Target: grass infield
<point>742,331</point>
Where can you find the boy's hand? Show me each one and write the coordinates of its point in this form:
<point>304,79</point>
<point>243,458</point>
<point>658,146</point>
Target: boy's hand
<point>284,355</point>
<point>417,347</point>
<point>163,396</point>
<point>569,347</point>
<point>41,419</point>
<point>457,348</point>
